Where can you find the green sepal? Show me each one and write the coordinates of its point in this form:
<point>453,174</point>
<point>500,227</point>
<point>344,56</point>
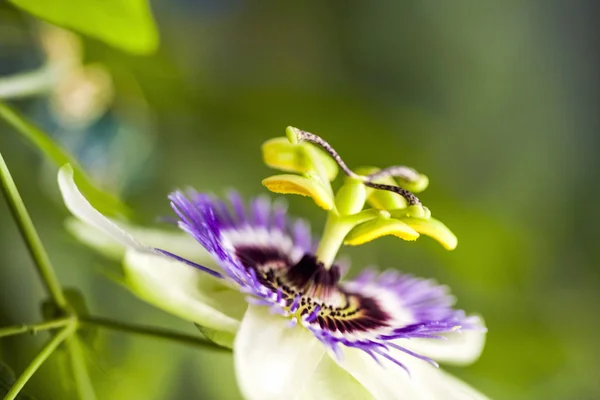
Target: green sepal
<point>279,153</point>
<point>310,186</point>
<point>381,226</point>
<point>221,338</point>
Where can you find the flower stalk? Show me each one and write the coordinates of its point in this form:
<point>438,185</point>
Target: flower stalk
<point>27,84</point>
<point>336,229</point>
<point>149,331</point>
<point>70,322</point>
<point>83,382</point>
<point>35,328</point>
<point>42,356</point>
<point>30,236</point>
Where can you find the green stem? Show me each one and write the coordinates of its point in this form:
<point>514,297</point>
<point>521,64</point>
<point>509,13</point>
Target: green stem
<point>32,240</point>
<point>149,331</point>
<point>40,139</point>
<point>336,230</point>
<point>39,360</point>
<point>83,383</point>
<point>35,328</point>
<point>332,239</point>
<point>28,83</point>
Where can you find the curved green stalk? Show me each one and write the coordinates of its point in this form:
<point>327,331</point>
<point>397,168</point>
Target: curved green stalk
<point>336,229</point>
<point>150,331</point>
<point>83,383</point>
<point>332,239</point>
<point>42,326</point>
<point>32,240</point>
<point>39,360</point>
<point>26,84</point>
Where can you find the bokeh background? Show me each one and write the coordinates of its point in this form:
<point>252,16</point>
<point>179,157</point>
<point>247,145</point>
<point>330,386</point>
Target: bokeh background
<point>497,102</point>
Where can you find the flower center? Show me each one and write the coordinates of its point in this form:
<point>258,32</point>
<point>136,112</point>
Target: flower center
<point>309,292</point>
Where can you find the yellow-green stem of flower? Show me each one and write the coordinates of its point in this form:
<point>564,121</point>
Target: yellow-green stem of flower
<point>336,230</point>
<point>32,240</point>
<point>347,213</point>
<point>29,83</point>
<point>83,383</point>
<point>35,328</point>
<point>333,236</point>
<point>150,331</point>
<point>39,360</point>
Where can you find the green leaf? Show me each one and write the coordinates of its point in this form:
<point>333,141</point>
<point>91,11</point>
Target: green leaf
<point>106,203</point>
<point>125,24</point>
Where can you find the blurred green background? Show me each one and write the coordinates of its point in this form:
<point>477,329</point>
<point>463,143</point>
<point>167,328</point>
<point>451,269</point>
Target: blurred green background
<point>497,102</point>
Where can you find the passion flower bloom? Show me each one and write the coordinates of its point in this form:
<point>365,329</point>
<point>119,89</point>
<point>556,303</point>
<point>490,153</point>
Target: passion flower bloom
<point>304,333</point>
<point>254,279</point>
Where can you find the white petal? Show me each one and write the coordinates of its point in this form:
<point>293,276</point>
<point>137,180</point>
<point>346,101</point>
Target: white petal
<point>82,209</point>
<point>443,386</point>
<point>386,381</point>
<point>183,290</point>
<point>178,243</point>
<point>94,238</point>
<point>272,360</point>
<point>460,348</point>
<point>390,382</point>
<point>331,382</point>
